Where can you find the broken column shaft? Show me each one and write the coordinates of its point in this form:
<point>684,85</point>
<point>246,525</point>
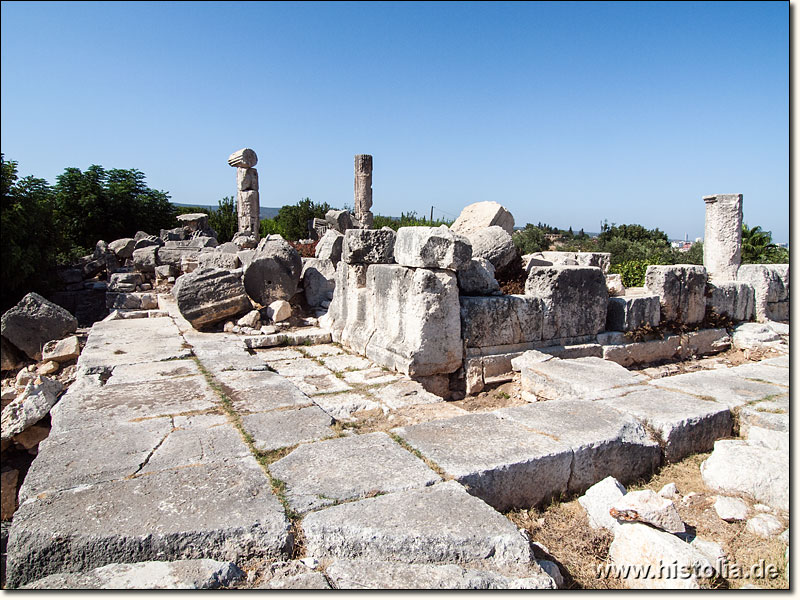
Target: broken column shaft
<point>247,201</point>
<point>722,244</point>
<point>363,190</point>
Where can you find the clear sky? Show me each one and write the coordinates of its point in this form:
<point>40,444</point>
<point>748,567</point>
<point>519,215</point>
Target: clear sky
<point>566,113</point>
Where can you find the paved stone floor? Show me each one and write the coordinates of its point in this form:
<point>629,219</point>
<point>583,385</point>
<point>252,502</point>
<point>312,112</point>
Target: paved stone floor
<point>174,444</point>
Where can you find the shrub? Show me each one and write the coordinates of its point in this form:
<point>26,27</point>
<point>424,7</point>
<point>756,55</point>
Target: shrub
<point>632,271</point>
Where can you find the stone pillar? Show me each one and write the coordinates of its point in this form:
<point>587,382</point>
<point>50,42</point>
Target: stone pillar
<point>247,204</point>
<point>722,245</point>
<point>363,190</point>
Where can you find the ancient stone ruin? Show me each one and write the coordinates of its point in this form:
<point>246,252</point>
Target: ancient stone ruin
<point>247,417</point>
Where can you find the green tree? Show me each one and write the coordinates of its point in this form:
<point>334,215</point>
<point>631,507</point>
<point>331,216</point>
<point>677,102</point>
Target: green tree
<point>292,220</point>
<point>694,255</point>
<point>757,247</point>
<point>98,204</point>
<point>410,219</point>
<point>532,238</point>
<point>224,220</point>
<point>29,240</point>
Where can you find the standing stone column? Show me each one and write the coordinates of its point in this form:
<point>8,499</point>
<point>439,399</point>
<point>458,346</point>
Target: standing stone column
<point>247,204</point>
<point>722,245</point>
<point>363,190</point>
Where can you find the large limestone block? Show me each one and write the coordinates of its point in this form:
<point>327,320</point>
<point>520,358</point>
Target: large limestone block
<point>500,461</point>
<point>368,246</point>
<point>437,524</point>
<point>494,244</point>
<point>197,574</point>
<point>145,260</point>
<point>743,467</point>
<point>732,299</point>
<point>589,378</point>
<point>771,285</point>
<point>124,282</point>
<point>31,406</point>
<point>246,179</point>
<point>351,309</point>
<point>721,385</point>
<point>175,255</point>
<point>627,313</point>
<point>123,247</point>
<point>500,320</point>
<point>640,353</point>
<point>218,260</point>
<point>604,441</point>
<point>672,563</point>
<point>329,247</point>
<point>339,220</point>
<point>581,259</point>
<point>476,278</point>
<point>33,322</point>
<point>575,300</point>
<point>682,290</point>
<point>417,327</point>
<point>221,511</point>
<point>722,244</point>
<point>598,500</point>
<point>480,215</point>
<point>351,468</point>
<point>319,280</point>
<point>274,273</point>
<point>208,296</point>
<point>431,248</point>
<point>685,424</point>
<point>244,158</point>
<point>393,575</point>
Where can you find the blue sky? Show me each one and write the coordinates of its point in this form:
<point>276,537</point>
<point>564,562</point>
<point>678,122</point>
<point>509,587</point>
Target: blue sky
<point>566,113</point>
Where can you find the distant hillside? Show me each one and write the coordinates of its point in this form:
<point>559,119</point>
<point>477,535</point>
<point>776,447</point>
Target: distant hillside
<point>265,212</point>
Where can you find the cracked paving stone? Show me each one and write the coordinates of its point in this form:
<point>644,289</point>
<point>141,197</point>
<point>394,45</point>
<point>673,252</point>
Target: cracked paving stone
<point>261,391</point>
<point>720,385</point>
<point>284,428</point>
<point>154,371</point>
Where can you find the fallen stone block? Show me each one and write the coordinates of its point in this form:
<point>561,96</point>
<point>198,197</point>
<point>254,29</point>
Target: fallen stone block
<point>131,301</point>
<point>684,424</point>
<point>499,320</point>
<point>124,282</point>
<point>476,278</point>
<point>431,248</point>
<point>740,467</point>
<point>575,300</point>
<point>329,247</point>
<point>319,280</point>
<point>627,313</point>
<point>498,460</point>
<point>279,310</point>
<point>218,260</point>
<point>480,215</point>
<point>145,260</point>
<point>614,284</point>
<point>284,428</point>
<point>339,220</point>
<point>755,336</point>
<point>437,524</point>
<point>575,379</point>
<point>673,564</point>
<point>604,442</point>
<point>681,289</point>
<point>33,322</point>
<point>493,244</point>
<point>645,506</point>
<point>381,575</point>
<point>197,574</point>
<point>332,471</point>
<point>602,260</point>
<point>274,271</point>
<point>62,351</point>
<point>598,500</point>
<point>30,407</point>
<point>770,284</point>
<point>207,296</point>
<point>123,247</point>
<point>222,511</point>
<point>368,246</point>
<point>732,299</point>
<point>730,509</point>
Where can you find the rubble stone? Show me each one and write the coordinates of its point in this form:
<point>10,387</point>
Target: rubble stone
<point>329,247</point>
<point>30,407</point>
<point>318,280</point>
<point>494,244</point>
<point>33,322</point>
<point>207,296</point>
<point>597,501</point>
<point>481,215</point>
<point>645,506</point>
<point>476,278</point>
<point>730,509</point>
<point>339,220</point>
<point>123,248</point>
<point>62,350</point>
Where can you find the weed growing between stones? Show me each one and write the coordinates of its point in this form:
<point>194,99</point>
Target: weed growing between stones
<point>431,465</point>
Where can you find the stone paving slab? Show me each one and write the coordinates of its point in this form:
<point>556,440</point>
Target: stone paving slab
<point>260,391</point>
<point>222,511</point>
<point>778,361</point>
<point>326,383</point>
<point>685,424</point>
<point>438,524</point>
<point>719,385</point>
<point>346,362</point>
<point>343,406</point>
<point>153,371</point>
<point>369,377</point>
<point>502,462</point>
<point>220,354</point>
<point>285,428</point>
<point>66,460</point>
<point>298,367</point>
<point>196,574</point>
<point>603,441</point>
<point>322,473</point>
<point>574,379</point>
<point>771,414</point>
<point>378,575</point>
<point>758,371</point>
<point>278,354</point>
<point>87,406</point>
<point>404,393</point>
<point>321,350</point>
